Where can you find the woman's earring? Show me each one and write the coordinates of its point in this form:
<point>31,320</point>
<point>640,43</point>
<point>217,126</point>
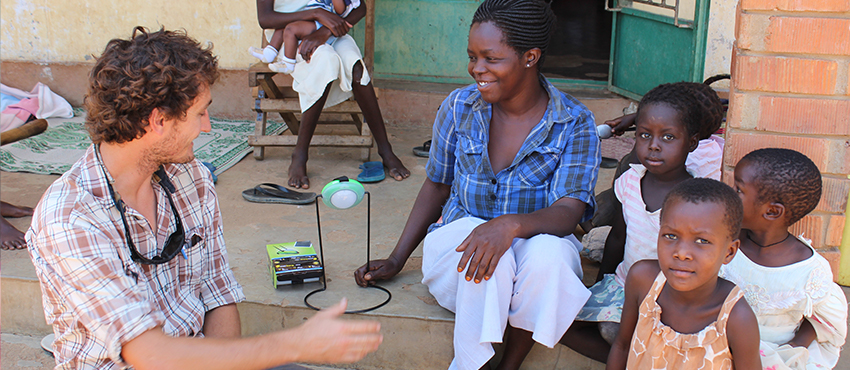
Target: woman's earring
<point>528,65</point>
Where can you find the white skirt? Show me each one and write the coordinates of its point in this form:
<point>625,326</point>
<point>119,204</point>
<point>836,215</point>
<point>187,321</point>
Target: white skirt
<point>536,287</point>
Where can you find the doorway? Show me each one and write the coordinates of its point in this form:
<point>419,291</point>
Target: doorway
<point>581,42</point>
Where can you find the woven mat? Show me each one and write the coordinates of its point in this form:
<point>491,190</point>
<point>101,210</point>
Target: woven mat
<point>66,141</point>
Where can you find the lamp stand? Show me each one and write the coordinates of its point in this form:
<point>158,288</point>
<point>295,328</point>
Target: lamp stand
<point>368,258</point>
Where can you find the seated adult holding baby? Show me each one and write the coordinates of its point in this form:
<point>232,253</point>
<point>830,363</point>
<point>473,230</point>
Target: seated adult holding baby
<point>325,75</point>
<point>512,169</point>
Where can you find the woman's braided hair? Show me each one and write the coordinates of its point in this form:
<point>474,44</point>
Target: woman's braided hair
<point>525,24</point>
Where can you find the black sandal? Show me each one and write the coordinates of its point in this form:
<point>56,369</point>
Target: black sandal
<point>424,150</point>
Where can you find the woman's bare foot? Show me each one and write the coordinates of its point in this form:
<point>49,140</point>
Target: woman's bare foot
<point>395,167</point>
<point>9,210</point>
<point>298,172</point>
<point>10,237</point>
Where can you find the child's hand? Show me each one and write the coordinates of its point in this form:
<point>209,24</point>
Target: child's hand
<point>620,124</point>
<point>484,247</point>
<point>378,270</point>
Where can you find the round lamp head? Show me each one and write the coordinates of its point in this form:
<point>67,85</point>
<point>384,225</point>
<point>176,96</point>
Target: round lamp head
<point>343,193</point>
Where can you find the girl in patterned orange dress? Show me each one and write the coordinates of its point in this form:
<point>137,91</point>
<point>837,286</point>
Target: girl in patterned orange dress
<point>678,314</point>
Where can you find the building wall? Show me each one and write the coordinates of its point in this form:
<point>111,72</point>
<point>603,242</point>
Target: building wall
<point>61,31</point>
<point>721,36</point>
<point>790,89</point>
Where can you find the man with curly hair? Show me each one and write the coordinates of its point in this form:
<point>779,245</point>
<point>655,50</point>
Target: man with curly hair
<point>128,244</point>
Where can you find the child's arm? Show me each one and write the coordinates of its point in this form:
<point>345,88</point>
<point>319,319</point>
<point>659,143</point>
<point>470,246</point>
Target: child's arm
<point>615,244</point>
<point>742,333</point>
<point>638,282</point>
<point>620,124</point>
<point>805,335</point>
<point>339,6</point>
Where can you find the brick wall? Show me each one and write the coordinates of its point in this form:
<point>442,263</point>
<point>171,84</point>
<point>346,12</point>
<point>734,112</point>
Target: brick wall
<point>791,89</point>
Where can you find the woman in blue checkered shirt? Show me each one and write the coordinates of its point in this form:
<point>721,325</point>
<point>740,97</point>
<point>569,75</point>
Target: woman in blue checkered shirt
<point>512,169</point>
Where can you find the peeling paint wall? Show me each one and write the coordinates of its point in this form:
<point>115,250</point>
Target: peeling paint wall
<point>62,31</point>
<point>721,36</point>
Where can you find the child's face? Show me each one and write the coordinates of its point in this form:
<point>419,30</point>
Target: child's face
<point>745,186</point>
<point>662,142</point>
<point>693,243</point>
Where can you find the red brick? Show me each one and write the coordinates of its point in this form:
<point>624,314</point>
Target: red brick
<point>797,5</point>
<point>841,162</point>
<point>834,196</point>
<point>738,144</point>
<point>834,231</point>
<point>735,114</point>
<point>810,227</point>
<point>744,32</point>
<point>808,35</point>
<point>833,256</point>
<point>804,116</point>
<point>784,74</point>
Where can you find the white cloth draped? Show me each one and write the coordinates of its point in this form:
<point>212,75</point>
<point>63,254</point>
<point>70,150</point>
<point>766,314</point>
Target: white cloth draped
<point>536,287</point>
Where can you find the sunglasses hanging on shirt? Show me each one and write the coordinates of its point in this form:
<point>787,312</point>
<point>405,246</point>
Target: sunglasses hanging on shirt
<point>174,243</point>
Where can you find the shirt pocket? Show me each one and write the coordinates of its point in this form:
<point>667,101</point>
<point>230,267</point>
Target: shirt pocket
<point>468,154</point>
<point>193,259</point>
<point>537,167</point>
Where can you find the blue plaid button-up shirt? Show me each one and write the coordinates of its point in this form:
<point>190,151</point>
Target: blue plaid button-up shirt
<point>559,158</point>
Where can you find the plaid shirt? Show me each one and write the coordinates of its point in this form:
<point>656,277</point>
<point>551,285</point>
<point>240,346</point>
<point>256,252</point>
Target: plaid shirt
<point>559,158</point>
<point>94,295</point>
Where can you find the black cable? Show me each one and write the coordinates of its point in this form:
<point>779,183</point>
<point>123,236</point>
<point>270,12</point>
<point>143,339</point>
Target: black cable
<point>368,258</point>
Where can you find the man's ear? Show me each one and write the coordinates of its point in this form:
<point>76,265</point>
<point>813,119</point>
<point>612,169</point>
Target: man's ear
<point>156,122</point>
<point>731,249</point>
<point>774,211</point>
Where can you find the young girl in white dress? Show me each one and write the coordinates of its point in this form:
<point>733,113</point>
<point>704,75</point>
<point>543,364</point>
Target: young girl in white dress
<point>668,125</point>
<point>802,313</point>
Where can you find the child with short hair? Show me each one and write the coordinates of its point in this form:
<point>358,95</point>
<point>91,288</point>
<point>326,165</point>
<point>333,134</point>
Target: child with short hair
<point>290,37</point>
<point>678,313</point>
<point>802,313</point>
<point>667,129</point>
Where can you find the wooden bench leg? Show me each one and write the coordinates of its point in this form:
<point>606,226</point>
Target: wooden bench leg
<point>260,130</point>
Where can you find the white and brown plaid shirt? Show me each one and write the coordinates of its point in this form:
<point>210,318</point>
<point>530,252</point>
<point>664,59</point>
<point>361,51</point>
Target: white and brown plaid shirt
<point>94,295</point>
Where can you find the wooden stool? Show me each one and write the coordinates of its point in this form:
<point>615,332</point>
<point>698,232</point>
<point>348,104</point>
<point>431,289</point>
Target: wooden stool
<point>271,98</point>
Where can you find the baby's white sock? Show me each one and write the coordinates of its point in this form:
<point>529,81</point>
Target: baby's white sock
<point>269,53</point>
<point>266,55</point>
<point>285,65</point>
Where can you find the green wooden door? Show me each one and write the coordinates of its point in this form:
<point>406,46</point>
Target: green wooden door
<point>651,44</point>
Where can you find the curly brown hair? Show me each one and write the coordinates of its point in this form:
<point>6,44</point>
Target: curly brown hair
<point>164,69</point>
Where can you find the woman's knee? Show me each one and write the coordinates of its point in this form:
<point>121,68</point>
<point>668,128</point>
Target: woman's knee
<point>548,254</point>
<point>357,71</point>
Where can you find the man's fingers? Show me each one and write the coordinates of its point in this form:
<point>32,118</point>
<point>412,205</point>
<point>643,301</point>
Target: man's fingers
<point>357,327</point>
<point>335,310</point>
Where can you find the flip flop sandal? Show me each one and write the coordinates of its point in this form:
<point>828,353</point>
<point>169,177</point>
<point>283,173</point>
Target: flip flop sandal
<point>273,193</point>
<point>424,150</point>
<point>372,172</point>
<point>608,163</point>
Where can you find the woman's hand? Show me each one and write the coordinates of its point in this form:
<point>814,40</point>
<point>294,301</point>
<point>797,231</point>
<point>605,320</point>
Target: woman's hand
<point>484,246</point>
<point>378,270</point>
<point>336,24</point>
